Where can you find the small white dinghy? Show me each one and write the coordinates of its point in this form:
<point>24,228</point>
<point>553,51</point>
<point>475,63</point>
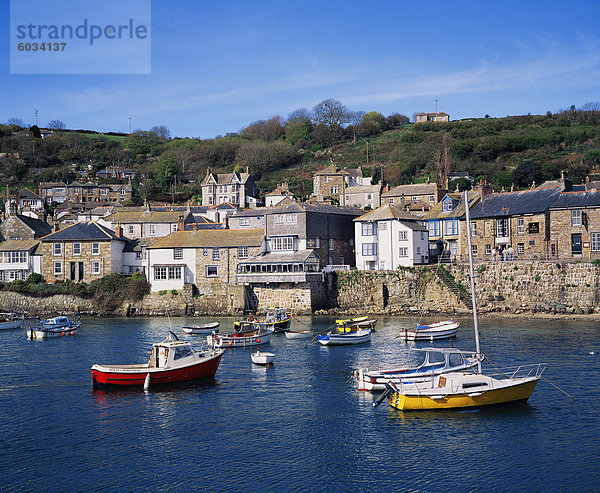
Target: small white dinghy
<point>260,358</point>
<point>299,334</point>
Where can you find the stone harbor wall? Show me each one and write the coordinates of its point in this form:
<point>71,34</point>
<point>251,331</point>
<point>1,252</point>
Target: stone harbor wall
<point>535,286</point>
<point>510,287</point>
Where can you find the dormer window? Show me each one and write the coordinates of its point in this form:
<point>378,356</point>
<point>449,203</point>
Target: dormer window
<point>447,205</point>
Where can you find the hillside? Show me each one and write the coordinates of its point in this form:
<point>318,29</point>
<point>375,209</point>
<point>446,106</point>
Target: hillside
<point>505,151</point>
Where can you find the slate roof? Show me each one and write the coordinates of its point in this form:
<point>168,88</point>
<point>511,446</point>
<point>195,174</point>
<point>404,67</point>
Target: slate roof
<point>28,194</point>
<point>39,227</point>
<point>277,257</point>
<point>458,209</point>
<point>412,189</point>
<point>226,178</point>
<point>317,208</point>
<point>152,216</point>
<point>354,172</point>
<point>386,212</point>
<point>137,244</point>
<point>515,203</point>
<point>18,245</point>
<point>577,200</point>
<point>211,238</point>
<point>362,189</point>
<point>85,231</point>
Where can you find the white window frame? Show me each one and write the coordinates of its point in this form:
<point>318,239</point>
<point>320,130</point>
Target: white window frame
<point>57,249</point>
<point>152,230</point>
<point>95,248</point>
<point>403,252</point>
<point>130,228</point>
<point>369,249</point>
<point>576,217</point>
<point>244,221</point>
<point>520,225</point>
<point>368,229</point>
<point>216,254</point>
<point>243,252</point>
<point>76,249</point>
<point>177,253</point>
<point>174,272</point>
<point>96,267</point>
<point>216,271</point>
<point>58,270</point>
<point>282,243</point>
<point>402,235</point>
<point>160,273</point>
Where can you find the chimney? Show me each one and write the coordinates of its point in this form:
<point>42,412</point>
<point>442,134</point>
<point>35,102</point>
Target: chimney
<point>483,189</point>
<point>180,224</point>
<point>285,187</point>
<point>565,183</point>
<point>56,226</point>
<point>119,231</point>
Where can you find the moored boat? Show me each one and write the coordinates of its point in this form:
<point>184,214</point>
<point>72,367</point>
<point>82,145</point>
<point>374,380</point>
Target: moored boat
<point>203,329</point>
<point>262,358</point>
<point>342,321</point>
<point>11,321</point>
<point>53,327</point>
<point>170,361</point>
<point>353,326</point>
<point>61,322</point>
<point>435,362</point>
<point>356,337</point>
<point>250,334</point>
<point>299,334</point>
<point>465,388</point>
<point>276,318</point>
<point>431,332</point>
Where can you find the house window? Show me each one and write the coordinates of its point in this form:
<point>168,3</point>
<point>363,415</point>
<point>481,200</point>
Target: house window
<point>160,273</point>
<point>488,249</point>
<point>432,198</point>
<point>391,200</point>
<point>451,227</point>
<point>415,198</point>
<point>174,272</point>
<point>434,228</point>
<point>76,248</point>
<point>331,244</point>
<point>58,249</point>
<point>212,271</point>
<point>595,241</point>
<point>216,254</point>
<point>520,248</point>
<point>244,221</point>
<point>173,227</point>
<point>138,255</point>
<point>402,235</point>
<point>95,248</point>
<point>520,226</point>
<point>447,206</point>
<point>368,229</point>
<point>473,229</point>
<point>382,226</point>
<point>57,268</point>
<point>369,249</point>
<point>369,196</point>
<point>152,228</point>
<point>205,251</point>
<point>474,248</point>
<point>243,252</point>
<point>534,228</point>
<point>418,250</point>
<point>130,229</point>
<point>403,251</point>
<point>286,218</point>
<point>177,253</point>
<point>502,227</point>
<point>122,191</point>
<point>576,217</point>
<point>96,267</point>
<point>334,190</point>
<point>104,191</point>
<point>282,243</point>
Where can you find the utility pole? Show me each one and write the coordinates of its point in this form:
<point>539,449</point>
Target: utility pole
<point>130,126</point>
<point>36,118</point>
<point>436,110</point>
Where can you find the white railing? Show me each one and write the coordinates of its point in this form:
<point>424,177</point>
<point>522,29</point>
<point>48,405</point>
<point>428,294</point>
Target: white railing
<point>335,268</point>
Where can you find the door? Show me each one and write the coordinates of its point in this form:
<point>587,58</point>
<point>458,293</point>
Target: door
<point>80,271</point>
<point>72,270</point>
<point>576,244</point>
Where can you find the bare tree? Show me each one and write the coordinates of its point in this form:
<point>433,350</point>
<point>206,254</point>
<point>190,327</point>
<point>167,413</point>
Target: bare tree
<point>16,122</point>
<point>56,125</point>
<point>443,161</point>
<point>330,117</point>
<point>356,118</point>
<point>161,132</point>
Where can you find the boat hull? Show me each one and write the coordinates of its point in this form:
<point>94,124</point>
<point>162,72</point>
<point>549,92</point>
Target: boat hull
<point>363,335</point>
<point>46,333</point>
<point>136,377</point>
<point>202,330</point>
<point>519,391</point>
<point>432,332</point>
<point>260,358</point>
<point>226,341</point>
<point>302,334</point>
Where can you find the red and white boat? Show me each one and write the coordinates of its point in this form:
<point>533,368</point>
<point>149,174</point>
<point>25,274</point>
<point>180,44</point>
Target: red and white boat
<point>170,361</point>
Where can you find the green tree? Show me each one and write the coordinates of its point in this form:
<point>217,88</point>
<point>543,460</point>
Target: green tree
<point>526,173</point>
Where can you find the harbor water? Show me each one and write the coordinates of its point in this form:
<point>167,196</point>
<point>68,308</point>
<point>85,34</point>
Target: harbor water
<point>299,425</point>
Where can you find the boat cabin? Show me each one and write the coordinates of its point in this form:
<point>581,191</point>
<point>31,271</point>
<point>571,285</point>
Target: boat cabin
<point>275,314</point>
<point>443,358</point>
<point>169,353</point>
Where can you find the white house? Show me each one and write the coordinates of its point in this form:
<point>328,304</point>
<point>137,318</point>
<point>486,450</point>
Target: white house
<point>390,237</point>
<point>18,259</point>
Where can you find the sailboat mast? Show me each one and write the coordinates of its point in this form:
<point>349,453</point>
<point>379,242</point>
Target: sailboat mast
<point>472,276</point>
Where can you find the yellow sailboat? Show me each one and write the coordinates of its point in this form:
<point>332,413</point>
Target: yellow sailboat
<point>465,388</point>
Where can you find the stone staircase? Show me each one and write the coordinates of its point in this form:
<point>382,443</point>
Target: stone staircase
<point>449,282</point>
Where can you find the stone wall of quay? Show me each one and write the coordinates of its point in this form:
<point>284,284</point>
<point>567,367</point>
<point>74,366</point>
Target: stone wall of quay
<point>300,298</point>
<point>556,287</point>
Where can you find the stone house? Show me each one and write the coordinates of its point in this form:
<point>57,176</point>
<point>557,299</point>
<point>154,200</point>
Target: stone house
<point>235,188</point>
<point>117,193</point>
<point>326,229</point>
<point>147,223</point>
<point>331,183</point>
<point>390,237</point>
<point>206,258</point>
<point>575,225</point>
<point>422,196</point>
<point>248,218</point>
<point>81,252</point>
<point>439,116</point>
<point>362,196</point>
<point>20,227</point>
<point>443,224</point>
<point>518,219</point>
<point>53,192</point>
<point>30,201</point>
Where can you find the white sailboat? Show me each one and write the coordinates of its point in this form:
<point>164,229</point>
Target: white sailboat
<point>465,388</point>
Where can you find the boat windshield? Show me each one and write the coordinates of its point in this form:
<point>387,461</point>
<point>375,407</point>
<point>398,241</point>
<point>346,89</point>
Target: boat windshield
<point>182,352</point>
<point>455,359</point>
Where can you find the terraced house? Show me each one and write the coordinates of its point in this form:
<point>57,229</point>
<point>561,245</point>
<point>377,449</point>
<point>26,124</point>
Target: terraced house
<point>81,252</point>
<point>235,188</point>
<point>205,258</point>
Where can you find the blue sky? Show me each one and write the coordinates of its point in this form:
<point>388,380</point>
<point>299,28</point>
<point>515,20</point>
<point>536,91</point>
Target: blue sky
<point>219,65</point>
